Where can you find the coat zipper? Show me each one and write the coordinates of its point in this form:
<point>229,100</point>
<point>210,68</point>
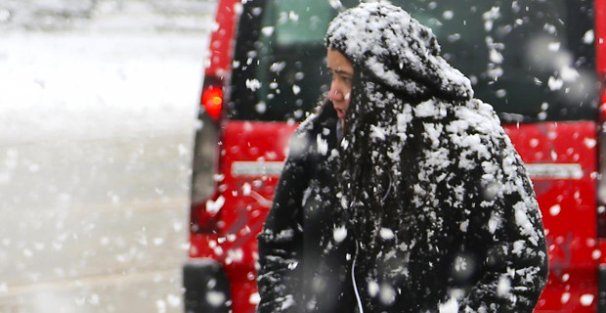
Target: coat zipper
<point>353,280</point>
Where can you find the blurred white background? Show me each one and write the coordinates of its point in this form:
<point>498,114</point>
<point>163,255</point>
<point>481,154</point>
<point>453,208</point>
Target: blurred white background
<point>97,113</point>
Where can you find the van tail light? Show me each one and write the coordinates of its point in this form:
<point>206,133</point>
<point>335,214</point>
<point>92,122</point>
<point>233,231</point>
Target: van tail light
<point>601,214</point>
<point>206,215</point>
<point>212,98</point>
<point>205,200</point>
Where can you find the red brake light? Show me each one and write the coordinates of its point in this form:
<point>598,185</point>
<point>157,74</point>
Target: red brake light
<point>212,100</point>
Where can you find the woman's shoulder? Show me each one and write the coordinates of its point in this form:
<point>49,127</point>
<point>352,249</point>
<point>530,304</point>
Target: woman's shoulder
<point>321,117</point>
<point>314,133</point>
<point>474,119</point>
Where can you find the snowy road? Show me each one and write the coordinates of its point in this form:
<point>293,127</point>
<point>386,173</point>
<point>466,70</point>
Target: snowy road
<point>95,148</point>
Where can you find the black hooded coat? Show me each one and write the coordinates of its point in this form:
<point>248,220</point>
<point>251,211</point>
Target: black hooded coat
<point>425,206</point>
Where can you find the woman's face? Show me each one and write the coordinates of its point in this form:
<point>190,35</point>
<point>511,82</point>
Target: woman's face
<point>340,86</point>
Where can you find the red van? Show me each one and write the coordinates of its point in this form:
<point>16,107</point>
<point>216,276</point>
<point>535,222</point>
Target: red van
<point>540,63</point>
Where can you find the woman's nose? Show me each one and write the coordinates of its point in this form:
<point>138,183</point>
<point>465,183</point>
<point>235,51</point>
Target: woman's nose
<point>334,94</point>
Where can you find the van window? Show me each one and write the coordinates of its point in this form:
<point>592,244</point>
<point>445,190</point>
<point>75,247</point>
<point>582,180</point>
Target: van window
<point>532,60</point>
<point>278,69</point>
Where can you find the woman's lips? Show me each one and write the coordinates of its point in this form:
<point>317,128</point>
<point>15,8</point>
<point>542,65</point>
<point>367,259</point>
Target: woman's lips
<point>340,113</point>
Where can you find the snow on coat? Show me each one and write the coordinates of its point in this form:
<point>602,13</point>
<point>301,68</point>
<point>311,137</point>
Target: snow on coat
<point>301,269</point>
<point>436,198</point>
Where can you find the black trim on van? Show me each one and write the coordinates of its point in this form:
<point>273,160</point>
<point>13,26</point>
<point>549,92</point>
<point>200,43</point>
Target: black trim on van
<point>602,289</point>
<point>206,287</point>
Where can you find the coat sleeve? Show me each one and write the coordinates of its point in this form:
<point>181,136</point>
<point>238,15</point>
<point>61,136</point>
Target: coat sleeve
<point>281,241</point>
<point>507,224</point>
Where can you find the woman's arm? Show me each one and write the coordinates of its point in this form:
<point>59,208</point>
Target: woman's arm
<point>510,231</point>
<point>281,241</point>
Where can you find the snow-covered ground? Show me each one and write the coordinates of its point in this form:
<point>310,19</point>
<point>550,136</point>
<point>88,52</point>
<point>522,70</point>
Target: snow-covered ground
<point>96,126</point>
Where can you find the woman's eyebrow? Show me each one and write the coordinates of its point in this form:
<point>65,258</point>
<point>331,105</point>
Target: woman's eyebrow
<point>339,71</point>
<point>342,72</point>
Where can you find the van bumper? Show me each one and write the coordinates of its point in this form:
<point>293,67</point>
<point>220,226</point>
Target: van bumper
<point>206,287</point>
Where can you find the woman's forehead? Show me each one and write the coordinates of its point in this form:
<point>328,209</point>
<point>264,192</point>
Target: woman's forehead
<point>337,61</point>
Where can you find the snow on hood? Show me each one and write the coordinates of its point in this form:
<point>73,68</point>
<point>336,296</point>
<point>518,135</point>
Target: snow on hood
<point>396,50</point>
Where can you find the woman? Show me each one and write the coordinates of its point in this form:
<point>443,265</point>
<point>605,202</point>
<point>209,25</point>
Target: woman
<point>434,209</point>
